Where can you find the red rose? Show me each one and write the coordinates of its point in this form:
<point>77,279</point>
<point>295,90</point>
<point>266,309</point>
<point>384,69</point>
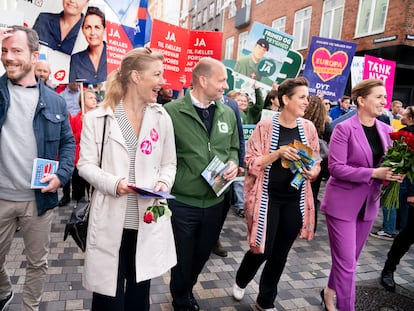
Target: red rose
<point>396,135</point>
<point>149,217</point>
<point>410,143</point>
<point>406,133</point>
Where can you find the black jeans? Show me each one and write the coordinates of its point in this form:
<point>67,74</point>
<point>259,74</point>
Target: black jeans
<point>196,230</point>
<point>130,295</point>
<point>284,221</point>
<point>80,187</point>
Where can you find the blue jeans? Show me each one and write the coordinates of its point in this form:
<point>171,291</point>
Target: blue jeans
<point>238,194</point>
<point>389,220</point>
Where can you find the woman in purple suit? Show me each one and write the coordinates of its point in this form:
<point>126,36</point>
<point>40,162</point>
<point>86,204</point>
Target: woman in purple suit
<point>351,201</point>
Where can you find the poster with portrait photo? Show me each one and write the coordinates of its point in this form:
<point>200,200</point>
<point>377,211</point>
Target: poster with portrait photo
<point>90,64</point>
<point>8,18</point>
<point>263,54</point>
<point>44,17</point>
<point>122,32</point>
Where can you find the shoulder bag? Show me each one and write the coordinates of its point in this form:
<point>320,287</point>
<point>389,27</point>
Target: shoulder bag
<point>77,225</point>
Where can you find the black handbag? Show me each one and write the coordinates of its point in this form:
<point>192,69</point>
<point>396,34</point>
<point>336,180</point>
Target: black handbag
<point>77,226</point>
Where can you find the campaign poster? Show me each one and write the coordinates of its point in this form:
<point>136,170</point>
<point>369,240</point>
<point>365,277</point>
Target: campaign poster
<point>357,70</point>
<point>383,69</point>
<point>117,24</point>
<point>263,54</point>
<point>202,44</point>
<point>172,42</point>
<point>8,18</point>
<point>182,49</point>
<point>328,65</point>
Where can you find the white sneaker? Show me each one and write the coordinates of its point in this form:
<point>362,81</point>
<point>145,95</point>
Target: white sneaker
<point>263,309</point>
<point>238,293</point>
<point>383,235</point>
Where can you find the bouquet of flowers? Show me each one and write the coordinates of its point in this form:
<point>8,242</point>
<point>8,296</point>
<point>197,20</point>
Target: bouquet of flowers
<point>155,211</point>
<point>400,157</point>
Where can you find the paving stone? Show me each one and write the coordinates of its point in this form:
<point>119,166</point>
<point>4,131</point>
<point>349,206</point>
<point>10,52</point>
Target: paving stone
<point>306,273</point>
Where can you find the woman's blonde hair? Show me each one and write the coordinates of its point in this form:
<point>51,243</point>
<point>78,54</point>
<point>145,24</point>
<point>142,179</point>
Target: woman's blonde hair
<point>139,59</point>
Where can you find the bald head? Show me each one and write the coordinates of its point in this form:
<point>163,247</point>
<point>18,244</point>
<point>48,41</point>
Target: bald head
<point>209,80</point>
<point>205,67</point>
<point>42,70</point>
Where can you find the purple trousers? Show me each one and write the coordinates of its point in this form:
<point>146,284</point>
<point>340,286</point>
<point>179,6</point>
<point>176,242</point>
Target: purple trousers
<point>346,239</point>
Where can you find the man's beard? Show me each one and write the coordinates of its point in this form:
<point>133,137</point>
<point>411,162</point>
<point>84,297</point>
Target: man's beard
<point>26,68</point>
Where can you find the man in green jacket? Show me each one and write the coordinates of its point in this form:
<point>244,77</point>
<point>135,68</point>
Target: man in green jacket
<point>204,127</point>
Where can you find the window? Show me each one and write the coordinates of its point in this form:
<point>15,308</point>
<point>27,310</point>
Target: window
<point>301,28</point>
<point>211,11</point>
<point>245,3</point>
<point>242,43</point>
<point>259,1</point>
<point>228,54</point>
<point>205,16</point>
<point>218,7</point>
<point>193,21</point>
<point>332,17</point>
<point>279,24</point>
<point>232,9</point>
<point>199,18</point>
<point>371,17</point>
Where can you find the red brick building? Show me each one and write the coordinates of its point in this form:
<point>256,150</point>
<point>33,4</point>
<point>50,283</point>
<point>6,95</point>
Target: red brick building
<point>381,28</point>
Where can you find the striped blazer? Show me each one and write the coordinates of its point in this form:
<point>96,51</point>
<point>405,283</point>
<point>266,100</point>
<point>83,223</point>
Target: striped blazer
<point>264,140</point>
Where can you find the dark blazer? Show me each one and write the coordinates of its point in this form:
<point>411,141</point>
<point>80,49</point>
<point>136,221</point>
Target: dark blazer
<point>47,26</point>
<point>233,105</point>
<point>351,165</point>
<point>81,67</point>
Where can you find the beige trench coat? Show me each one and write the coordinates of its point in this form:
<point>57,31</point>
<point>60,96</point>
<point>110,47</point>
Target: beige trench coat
<point>155,243</point>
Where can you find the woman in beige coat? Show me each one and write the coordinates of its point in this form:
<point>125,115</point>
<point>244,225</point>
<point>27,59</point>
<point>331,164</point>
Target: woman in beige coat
<point>123,252</point>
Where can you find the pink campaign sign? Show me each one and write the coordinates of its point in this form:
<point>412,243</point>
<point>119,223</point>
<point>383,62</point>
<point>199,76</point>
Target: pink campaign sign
<point>383,69</point>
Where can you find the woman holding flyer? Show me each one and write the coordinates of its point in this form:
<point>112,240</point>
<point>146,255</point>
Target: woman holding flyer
<point>351,200</point>
<point>278,195</point>
<point>138,150</point>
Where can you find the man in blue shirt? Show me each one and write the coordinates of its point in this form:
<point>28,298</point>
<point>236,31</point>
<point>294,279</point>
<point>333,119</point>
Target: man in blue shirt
<point>340,109</point>
<point>71,95</point>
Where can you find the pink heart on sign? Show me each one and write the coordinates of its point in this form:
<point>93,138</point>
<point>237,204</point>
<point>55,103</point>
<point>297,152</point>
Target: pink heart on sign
<point>326,65</point>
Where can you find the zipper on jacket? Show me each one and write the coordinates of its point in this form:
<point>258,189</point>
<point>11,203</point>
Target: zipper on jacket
<point>209,147</point>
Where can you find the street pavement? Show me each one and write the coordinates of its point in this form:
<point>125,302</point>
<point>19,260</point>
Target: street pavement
<point>305,274</point>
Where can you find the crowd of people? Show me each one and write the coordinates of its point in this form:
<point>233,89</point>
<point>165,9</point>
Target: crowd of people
<point>140,135</point>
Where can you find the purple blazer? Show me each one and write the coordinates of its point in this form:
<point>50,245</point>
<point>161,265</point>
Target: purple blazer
<point>350,165</point>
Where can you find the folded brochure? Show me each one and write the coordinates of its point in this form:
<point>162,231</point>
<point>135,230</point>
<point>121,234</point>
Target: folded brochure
<point>214,175</point>
<point>148,193</point>
<point>41,168</point>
